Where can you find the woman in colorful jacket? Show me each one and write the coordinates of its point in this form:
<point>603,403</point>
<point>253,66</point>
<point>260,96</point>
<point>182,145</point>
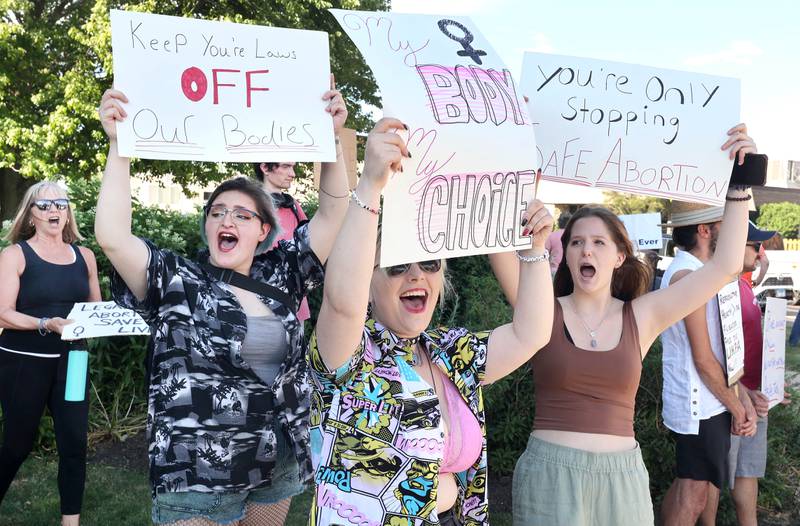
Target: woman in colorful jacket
<point>398,430</point>
<point>229,396</point>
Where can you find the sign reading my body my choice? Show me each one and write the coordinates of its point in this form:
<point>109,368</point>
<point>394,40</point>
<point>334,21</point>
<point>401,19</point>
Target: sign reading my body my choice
<point>473,161</point>
<point>631,128</point>
<point>217,91</point>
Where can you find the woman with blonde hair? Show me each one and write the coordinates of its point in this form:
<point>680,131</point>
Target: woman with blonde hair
<point>42,274</point>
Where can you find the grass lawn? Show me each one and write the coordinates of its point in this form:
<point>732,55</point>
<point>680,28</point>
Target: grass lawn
<point>792,357</point>
<point>114,496</point>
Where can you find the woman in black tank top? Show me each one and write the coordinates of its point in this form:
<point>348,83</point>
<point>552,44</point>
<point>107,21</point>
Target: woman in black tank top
<point>41,276</point>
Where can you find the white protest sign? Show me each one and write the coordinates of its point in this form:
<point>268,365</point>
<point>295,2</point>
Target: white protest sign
<point>773,358</point>
<point>472,170</point>
<point>103,318</point>
<point>631,128</point>
<point>730,317</point>
<point>644,230</point>
<point>218,91</point>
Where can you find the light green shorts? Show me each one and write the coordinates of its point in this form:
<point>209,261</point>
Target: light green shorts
<point>561,486</point>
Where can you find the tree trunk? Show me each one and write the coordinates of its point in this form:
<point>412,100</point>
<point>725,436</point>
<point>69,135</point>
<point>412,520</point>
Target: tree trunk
<point>12,188</point>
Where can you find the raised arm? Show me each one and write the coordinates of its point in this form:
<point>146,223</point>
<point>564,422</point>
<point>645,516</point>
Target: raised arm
<point>112,224</point>
<point>529,289</point>
<point>658,310</point>
<point>349,269</point>
<point>333,187</point>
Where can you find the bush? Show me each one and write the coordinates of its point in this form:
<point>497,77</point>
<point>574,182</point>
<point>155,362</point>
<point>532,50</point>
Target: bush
<point>783,217</point>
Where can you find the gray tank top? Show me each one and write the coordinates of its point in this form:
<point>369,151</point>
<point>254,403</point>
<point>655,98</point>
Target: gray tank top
<point>265,346</point>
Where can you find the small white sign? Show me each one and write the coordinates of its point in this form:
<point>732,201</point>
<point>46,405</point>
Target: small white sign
<point>730,317</point>
<point>217,91</point>
<point>631,128</point>
<point>103,318</point>
<point>644,230</point>
<point>773,358</point>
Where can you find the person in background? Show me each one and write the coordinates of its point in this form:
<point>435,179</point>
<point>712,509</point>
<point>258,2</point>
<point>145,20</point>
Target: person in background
<point>553,244</point>
<point>747,457</point>
<point>42,274</point>
<point>699,407</point>
<point>398,418</point>
<point>277,179</point>
<point>229,396</point>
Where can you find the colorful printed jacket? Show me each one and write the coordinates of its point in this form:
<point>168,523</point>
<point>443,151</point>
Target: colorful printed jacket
<point>211,420</point>
<point>376,440</point>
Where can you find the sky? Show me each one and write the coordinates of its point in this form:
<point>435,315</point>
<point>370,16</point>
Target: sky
<point>758,44</point>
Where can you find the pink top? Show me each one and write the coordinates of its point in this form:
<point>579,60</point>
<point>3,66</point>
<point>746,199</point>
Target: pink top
<point>289,223</point>
<point>463,444</point>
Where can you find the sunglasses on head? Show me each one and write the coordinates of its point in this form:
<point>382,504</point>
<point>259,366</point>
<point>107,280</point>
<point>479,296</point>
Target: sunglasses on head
<point>45,204</point>
<point>430,267</point>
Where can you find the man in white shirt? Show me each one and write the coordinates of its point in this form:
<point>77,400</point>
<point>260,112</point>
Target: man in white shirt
<point>699,407</point>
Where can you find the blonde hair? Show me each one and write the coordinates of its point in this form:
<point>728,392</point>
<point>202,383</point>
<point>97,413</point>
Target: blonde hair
<point>22,226</point>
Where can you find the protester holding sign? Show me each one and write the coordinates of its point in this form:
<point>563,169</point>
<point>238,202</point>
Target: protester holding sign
<point>582,464</point>
<point>747,457</point>
<point>229,398</point>
<point>41,276</point>
<point>398,422</point>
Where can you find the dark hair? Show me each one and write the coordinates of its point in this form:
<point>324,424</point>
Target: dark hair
<point>685,237</point>
<point>260,173</point>
<point>629,281</point>
<point>263,202</point>
<point>563,219</point>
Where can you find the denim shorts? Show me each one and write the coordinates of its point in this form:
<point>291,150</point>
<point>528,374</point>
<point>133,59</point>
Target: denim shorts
<point>225,508</point>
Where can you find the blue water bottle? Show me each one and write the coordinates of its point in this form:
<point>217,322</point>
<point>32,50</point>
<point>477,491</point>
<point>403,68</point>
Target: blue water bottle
<point>77,368</point>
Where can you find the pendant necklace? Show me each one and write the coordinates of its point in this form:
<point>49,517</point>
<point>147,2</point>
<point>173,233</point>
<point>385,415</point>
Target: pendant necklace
<point>592,332</point>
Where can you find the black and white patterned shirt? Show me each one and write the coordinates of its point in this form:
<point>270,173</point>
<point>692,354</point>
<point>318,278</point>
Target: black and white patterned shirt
<point>210,418</point>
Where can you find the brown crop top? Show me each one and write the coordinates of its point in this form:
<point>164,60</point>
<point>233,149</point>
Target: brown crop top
<point>587,391</point>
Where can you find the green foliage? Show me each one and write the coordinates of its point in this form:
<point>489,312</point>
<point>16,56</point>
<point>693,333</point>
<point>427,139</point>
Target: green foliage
<point>620,203</point>
<point>55,63</point>
<point>783,217</point>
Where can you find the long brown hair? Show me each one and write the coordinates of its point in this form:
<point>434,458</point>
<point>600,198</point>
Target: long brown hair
<point>629,281</point>
<point>22,226</point>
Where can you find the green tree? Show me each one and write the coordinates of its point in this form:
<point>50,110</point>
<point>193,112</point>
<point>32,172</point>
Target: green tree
<point>621,204</point>
<point>783,217</point>
<point>55,63</point>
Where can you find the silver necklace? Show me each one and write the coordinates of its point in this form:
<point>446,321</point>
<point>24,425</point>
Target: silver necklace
<point>592,332</point>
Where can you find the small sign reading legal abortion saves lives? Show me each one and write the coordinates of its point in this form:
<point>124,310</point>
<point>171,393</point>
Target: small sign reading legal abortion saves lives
<point>631,128</point>
<point>103,318</point>
<point>730,317</point>
<point>218,91</point>
<point>472,170</point>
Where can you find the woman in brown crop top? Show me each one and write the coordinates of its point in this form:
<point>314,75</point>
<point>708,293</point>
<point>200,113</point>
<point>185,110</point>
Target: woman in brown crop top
<point>582,464</point>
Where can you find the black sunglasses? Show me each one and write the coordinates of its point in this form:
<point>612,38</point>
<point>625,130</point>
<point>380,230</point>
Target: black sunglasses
<point>45,204</point>
<point>431,266</point>
<point>756,246</point>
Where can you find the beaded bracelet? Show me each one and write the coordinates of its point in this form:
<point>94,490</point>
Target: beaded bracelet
<point>544,256</point>
<point>362,204</point>
<point>739,199</point>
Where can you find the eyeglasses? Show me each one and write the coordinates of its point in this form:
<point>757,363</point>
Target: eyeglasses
<point>46,204</point>
<point>242,216</point>
<point>430,267</point>
<point>756,246</point>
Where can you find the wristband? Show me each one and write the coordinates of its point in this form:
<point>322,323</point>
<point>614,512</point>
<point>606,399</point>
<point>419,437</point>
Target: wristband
<point>362,204</point>
<point>43,330</point>
<point>544,256</point>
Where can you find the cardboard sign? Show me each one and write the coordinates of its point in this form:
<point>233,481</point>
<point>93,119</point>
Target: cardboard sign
<point>631,128</point>
<point>349,143</point>
<point>103,318</point>
<point>773,358</point>
<point>473,161</point>
<point>218,91</point>
<point>730,317</point>
<point>644,230</point>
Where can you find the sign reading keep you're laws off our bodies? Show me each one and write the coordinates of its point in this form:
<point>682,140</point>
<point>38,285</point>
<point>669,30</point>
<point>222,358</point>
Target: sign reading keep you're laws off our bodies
<point>217,91</point>
<point>473,161</point>
<point>631,128</point>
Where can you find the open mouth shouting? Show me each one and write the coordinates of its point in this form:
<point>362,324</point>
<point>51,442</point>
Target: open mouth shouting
<point>414,300</point>
<point>587,271</point>
<point>54,220</point>
<point>227,241</point>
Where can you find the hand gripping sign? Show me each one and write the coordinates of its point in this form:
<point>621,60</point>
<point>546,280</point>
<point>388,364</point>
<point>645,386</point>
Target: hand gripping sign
<point>631,128</point>
<point>103,318</point>
<point>473,161</point>
<point>217,91</point>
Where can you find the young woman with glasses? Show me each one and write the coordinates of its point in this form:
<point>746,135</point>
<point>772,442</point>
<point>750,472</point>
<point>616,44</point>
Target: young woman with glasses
<point>42,274</point>
<point>229,397</point>
<point>398,429</point>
